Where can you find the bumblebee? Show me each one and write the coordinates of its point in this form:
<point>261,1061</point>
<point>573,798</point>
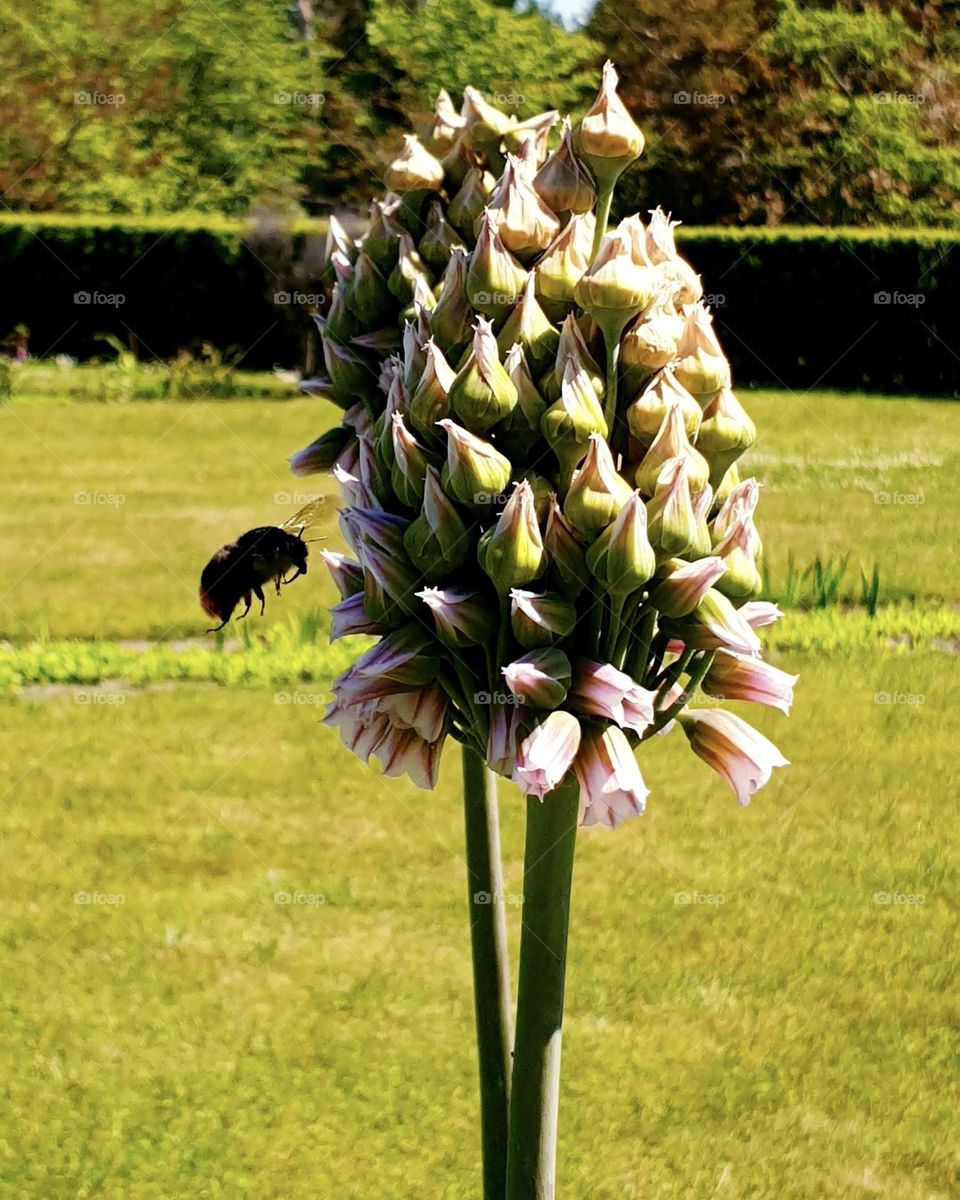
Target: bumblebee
<point>240,570</point>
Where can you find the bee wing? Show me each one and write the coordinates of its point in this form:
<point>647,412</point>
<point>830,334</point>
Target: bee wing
<point>306,518</point>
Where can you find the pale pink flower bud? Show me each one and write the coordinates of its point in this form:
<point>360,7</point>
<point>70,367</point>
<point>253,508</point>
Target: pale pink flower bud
<point>546,754</point>
<point>671,523</point>
<point>702,368</point>
<point>734,677</point>
<point>646,414</point>
<point>685,585</point>
<point>462,618</point>
<point>539,678</point>
<point>714,625</point>
<point>672,442</point>
<point>600,690</point>
<point>563,263</point>
<point>760,613</point>
<point>561,182</point>
<point>525,224</point>
<point>414,169</point>
<point>736,751</point>
<point>611,785</point>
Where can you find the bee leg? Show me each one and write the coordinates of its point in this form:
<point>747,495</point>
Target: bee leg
<point>258,592</point>
<point>217,628</point>
<point>247,601</point>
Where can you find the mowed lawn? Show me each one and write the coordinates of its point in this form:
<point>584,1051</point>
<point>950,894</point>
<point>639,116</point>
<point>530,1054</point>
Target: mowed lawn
<point>762,1002</point>
<point>108,512</point>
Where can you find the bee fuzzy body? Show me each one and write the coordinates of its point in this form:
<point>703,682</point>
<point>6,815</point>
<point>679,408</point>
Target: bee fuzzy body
<point>239,570</point>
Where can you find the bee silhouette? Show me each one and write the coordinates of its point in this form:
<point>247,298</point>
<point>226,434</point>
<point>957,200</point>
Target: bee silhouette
<point>239,570</point>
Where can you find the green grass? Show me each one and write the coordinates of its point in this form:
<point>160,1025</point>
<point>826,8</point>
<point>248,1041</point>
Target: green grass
<point>794,1042</point>
<point>167,483</point>
<point>46,382</point>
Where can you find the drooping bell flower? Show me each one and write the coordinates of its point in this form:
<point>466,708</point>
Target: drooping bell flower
<point>735,750</point>
<point>611,785</point>
<point>461,617</point>
<point>349,618</point>
<point>760,613</point>
<point>736,677</point>
<point>546,754</point>
<point>714,625</point>
<point>346,574</point>
<point>741,580</point>
<point>540,678</point>
<point>682,585</point>
<point>598,689</point>
<point>321,454</point>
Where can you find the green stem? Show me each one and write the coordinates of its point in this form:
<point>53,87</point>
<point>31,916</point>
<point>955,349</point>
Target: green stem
<point>612,346</point>
<point>604,200</point>
<point>491,970</point>
<point>695,678</point>
<point>534,1098</point>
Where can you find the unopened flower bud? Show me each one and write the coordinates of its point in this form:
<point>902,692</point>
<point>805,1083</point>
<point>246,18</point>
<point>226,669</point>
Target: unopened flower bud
<point>671,522</point>
<point>349,618</point>
<point>727,485</point>
<point>568,424</point>
<point>702,368</point>
<point>562,183</point>
<point>437,541</point>
<point>445,126</point>
<point>482,394</point>
<point>737,550</point>
<point>368,295</point>
<point>521,428</point>
<point>380,242</point>
<point>725,433</point>
<point>714,625</point>
<point>607,138</point>
<point>512,551</point>
<point>461,618</point>
<point>702,544</point>
<point>430,402</point>
<point>453,317</point>
<point>646,415</point>
<point>439,239</point>
<point>323,453</point>
<point>470,201</point>
<point>622,559</point>
<point>410,464</point>
<point>573,346</point>
<point>540,678</point>
<point>389,582</point>
<point>346,574</point>
<point>414,355</point>
<point>408,272</point>
<point>495,279</point>
<point>597,493</point>
<point>563,263</point>
<point>525,224</point>
<point>740,502</point>
<point>349,375</point>
<point>650,343</point>
<point>457,163</point>
<point>614,289</point>
<point>672,442</point>
<point>340,323</point>
<point>528,324</point>
<point>682,585</point>
<point>414,169</point>
<point>566,567</point>
<point>533,132</point>
<point>485,125</point>
<point>475,472</point>
<point>540,618</point>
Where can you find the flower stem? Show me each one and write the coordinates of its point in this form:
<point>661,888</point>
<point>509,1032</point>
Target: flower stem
<point>604,200</point>
<point>612,347</point>
<point>491,970</point>
<point>534,1099</point>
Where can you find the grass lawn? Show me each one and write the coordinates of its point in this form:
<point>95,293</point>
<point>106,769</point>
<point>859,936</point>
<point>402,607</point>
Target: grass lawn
<point>784,1035</point>
<point>108,512</point>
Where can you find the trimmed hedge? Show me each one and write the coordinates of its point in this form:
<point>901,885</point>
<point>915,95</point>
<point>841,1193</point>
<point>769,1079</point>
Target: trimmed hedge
<point>795,306</point>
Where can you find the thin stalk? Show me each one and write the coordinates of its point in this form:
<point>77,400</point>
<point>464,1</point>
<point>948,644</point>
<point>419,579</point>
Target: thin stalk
<point>604,200</point>
<point>491,969</point>
<point>612,346</point>
<point>695,678</point>
<point>535,1093</point>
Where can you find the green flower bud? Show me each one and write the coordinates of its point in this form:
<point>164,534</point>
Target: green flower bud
<point>540,619</point>
<point>562,183</point>
<point>649,344</point>
<point>461,618</point>
<point>414,355</point>
<point>440,238</point>
<point>569,423</point>
<point>457,164</point>
<point>475,473</point>
<point>511,552</point>
<point>702,368</point>
<point>468,204</point>
<point>485,125</point>
<point>409,269</point>
<point>367,295</point>
<point>495,279</point>
<point>430,401</point>
<point>729,483</point>
<point>525,224</point>
<point>521,428</point>
<point>414,169</point>
<point>622,559</point>
<point>566,567</point>
<point>542,491</point>
<point>725,433</point>
<point>410,464</point>
<point>452,319</point>
<point>607,138</point>
<point>438,540</point>
<point>597,492</point>
<point>337,242</point>
<point>380,242</point>
<point>680,586</point>
<point>646,415</point>
<point>702,545</point>
<point>340,322</point>
<point>482,394</point>
<point>614,288</point>
<point>672,442</point>
<point>573,345</point>
<point>349,375</point>
<point>528,325</point>
<point>564,261</point>
<point>388,585</point>
<point>671,523</point>
<point>540,678</point>
<point>397,402</point>
<point>323,453</point>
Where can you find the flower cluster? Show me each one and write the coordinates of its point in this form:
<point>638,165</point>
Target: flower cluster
<point>538,459</point>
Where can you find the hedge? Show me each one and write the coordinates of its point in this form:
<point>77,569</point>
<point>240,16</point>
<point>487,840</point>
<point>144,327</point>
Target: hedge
<point>797,307</point>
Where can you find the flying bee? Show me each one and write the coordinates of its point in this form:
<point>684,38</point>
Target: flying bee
<point>239,570</point>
